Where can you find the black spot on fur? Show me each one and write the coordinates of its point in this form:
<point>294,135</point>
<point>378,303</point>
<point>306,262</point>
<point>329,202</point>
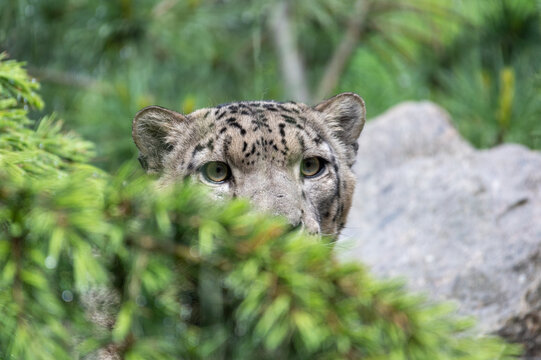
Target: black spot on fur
<point>197,149</point>
<point>337,194</point>
<point>244,146</point>
<point>223,105</point>
<point>289,119</point>
<point>283,108</point>
<point>339,212</point>
<point>221,115</point>
<point>227,143</point>
<point>270,107</point>
<point>301,142</point>
<point>222,130</point>
<point>233,122</point>
<point>260,121</point>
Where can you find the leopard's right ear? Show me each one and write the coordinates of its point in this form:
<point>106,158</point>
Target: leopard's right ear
<point>153,131</point>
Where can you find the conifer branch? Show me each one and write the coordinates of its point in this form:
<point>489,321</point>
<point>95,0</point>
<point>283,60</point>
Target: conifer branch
<point>344,51</point>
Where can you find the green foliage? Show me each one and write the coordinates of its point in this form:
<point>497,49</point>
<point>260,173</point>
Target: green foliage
<point>493,89</point>
<point>484,70</point>
<point>100,62</point>
<point>15,89</point>
<point>178,275</point>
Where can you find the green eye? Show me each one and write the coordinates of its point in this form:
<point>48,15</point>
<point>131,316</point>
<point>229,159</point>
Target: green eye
<point>216,171</point>
<point>311,167</point>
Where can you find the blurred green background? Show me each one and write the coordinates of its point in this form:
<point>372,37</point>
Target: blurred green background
<point>101,61</point>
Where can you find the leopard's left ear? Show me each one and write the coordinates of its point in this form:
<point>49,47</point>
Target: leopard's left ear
<point>346,113</point>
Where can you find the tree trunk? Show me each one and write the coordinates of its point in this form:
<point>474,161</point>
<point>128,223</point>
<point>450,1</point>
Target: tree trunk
<point>285,40</point>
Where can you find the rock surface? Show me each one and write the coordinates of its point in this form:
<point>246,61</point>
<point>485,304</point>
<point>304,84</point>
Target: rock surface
<point>456,222</point>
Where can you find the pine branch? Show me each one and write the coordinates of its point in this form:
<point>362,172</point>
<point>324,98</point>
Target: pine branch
<point>345,49</point>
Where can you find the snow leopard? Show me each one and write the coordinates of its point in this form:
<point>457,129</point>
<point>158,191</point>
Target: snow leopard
<point>287,158</point>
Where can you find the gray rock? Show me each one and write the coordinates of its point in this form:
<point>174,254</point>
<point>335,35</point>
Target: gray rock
<point>456,222</point>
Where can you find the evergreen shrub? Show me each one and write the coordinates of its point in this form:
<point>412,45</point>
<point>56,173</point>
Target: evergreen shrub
<point>90,260</point>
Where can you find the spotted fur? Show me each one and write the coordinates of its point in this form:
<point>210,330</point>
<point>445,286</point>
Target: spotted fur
<point>263,143</point>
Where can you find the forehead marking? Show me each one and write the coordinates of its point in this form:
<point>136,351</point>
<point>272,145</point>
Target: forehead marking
<point>301,142</point>
<point>283,108</point>
<point>233,122</point>
<point>282,131</point>
<point>197,149</point>
<point>264,117</point>
<point>289,119</point>
<point>227,143</point>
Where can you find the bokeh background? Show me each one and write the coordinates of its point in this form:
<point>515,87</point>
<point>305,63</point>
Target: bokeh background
<point>101,61</point>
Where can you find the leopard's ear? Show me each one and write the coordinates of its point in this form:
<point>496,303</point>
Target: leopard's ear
<point>153,129</point>
<point>346,114</point>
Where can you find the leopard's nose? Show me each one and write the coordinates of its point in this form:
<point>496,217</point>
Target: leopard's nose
<point>278,203</point>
